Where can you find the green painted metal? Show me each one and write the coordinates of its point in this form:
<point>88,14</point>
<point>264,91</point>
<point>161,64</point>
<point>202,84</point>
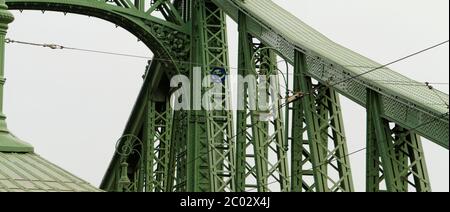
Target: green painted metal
<point>407,104</point>
<point>158,146</point>
<point>143,155</point>
<point>211,131</point>
<point>179,159</point>
<point>326,138</point>
<point>178,172</point>
<point>394,155</point>
<point>28,172</point>
<point>244,52</point>
<point>204,161</point>
<point>166,37</point>
<point>299,146</point>
<point>135,126</point>
<point>261,141</point>
<point>197,150</point>
<point>8,142</point>
<point>157,133</point>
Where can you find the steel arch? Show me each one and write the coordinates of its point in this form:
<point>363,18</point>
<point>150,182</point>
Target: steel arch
<point>168,40</point>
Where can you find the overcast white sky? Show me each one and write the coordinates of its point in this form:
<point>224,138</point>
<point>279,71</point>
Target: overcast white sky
<point>73,106</point>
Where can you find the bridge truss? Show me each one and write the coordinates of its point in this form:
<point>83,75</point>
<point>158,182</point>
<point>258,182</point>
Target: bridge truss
<point>301,146</point>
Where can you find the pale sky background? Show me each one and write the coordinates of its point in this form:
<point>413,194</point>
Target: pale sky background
<point>73,106</point>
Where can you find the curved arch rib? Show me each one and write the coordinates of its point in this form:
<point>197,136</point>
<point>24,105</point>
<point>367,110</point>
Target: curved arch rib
<point>168,40</point>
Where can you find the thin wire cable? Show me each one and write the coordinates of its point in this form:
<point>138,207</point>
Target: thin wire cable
<point>108,53</point>
<point>401,82</point>
<point>55,46</point>
<point>390,63</point>
<point>405,84</point>
<point>61,47</point>
<point>411,82</point>
<point>327,86</point>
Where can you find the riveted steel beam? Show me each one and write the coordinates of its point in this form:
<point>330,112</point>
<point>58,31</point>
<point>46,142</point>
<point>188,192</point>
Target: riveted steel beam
<point>210,148</point>
<point>394,155</point>
<point>158,146</point>
<point>261,146</point>
<point>341,65</point>
<point>136,121</point>
<point>328,152</point>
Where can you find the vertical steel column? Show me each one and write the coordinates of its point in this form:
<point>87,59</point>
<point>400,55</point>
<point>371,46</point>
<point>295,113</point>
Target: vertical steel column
<point>159,143</point>
<point>149,139</point>
<point>333,129</point>
<point>211,140</point>
<point>183,156</point>
<point>327,144</point>
<point>179,158</point>
<point>394,154</point>
<point>312,124</point>
<point>198,179</point>
<point>221,143</point>
<point>384,146</point>
<point>272,130</point>
<point>417,168</point>
<point>373,163</point>
<point>300,155</point>
<point>243,168</point>
<point>262,154</point>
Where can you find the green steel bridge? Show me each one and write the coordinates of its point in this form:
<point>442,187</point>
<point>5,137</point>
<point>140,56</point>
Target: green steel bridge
<point>303,147</point>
